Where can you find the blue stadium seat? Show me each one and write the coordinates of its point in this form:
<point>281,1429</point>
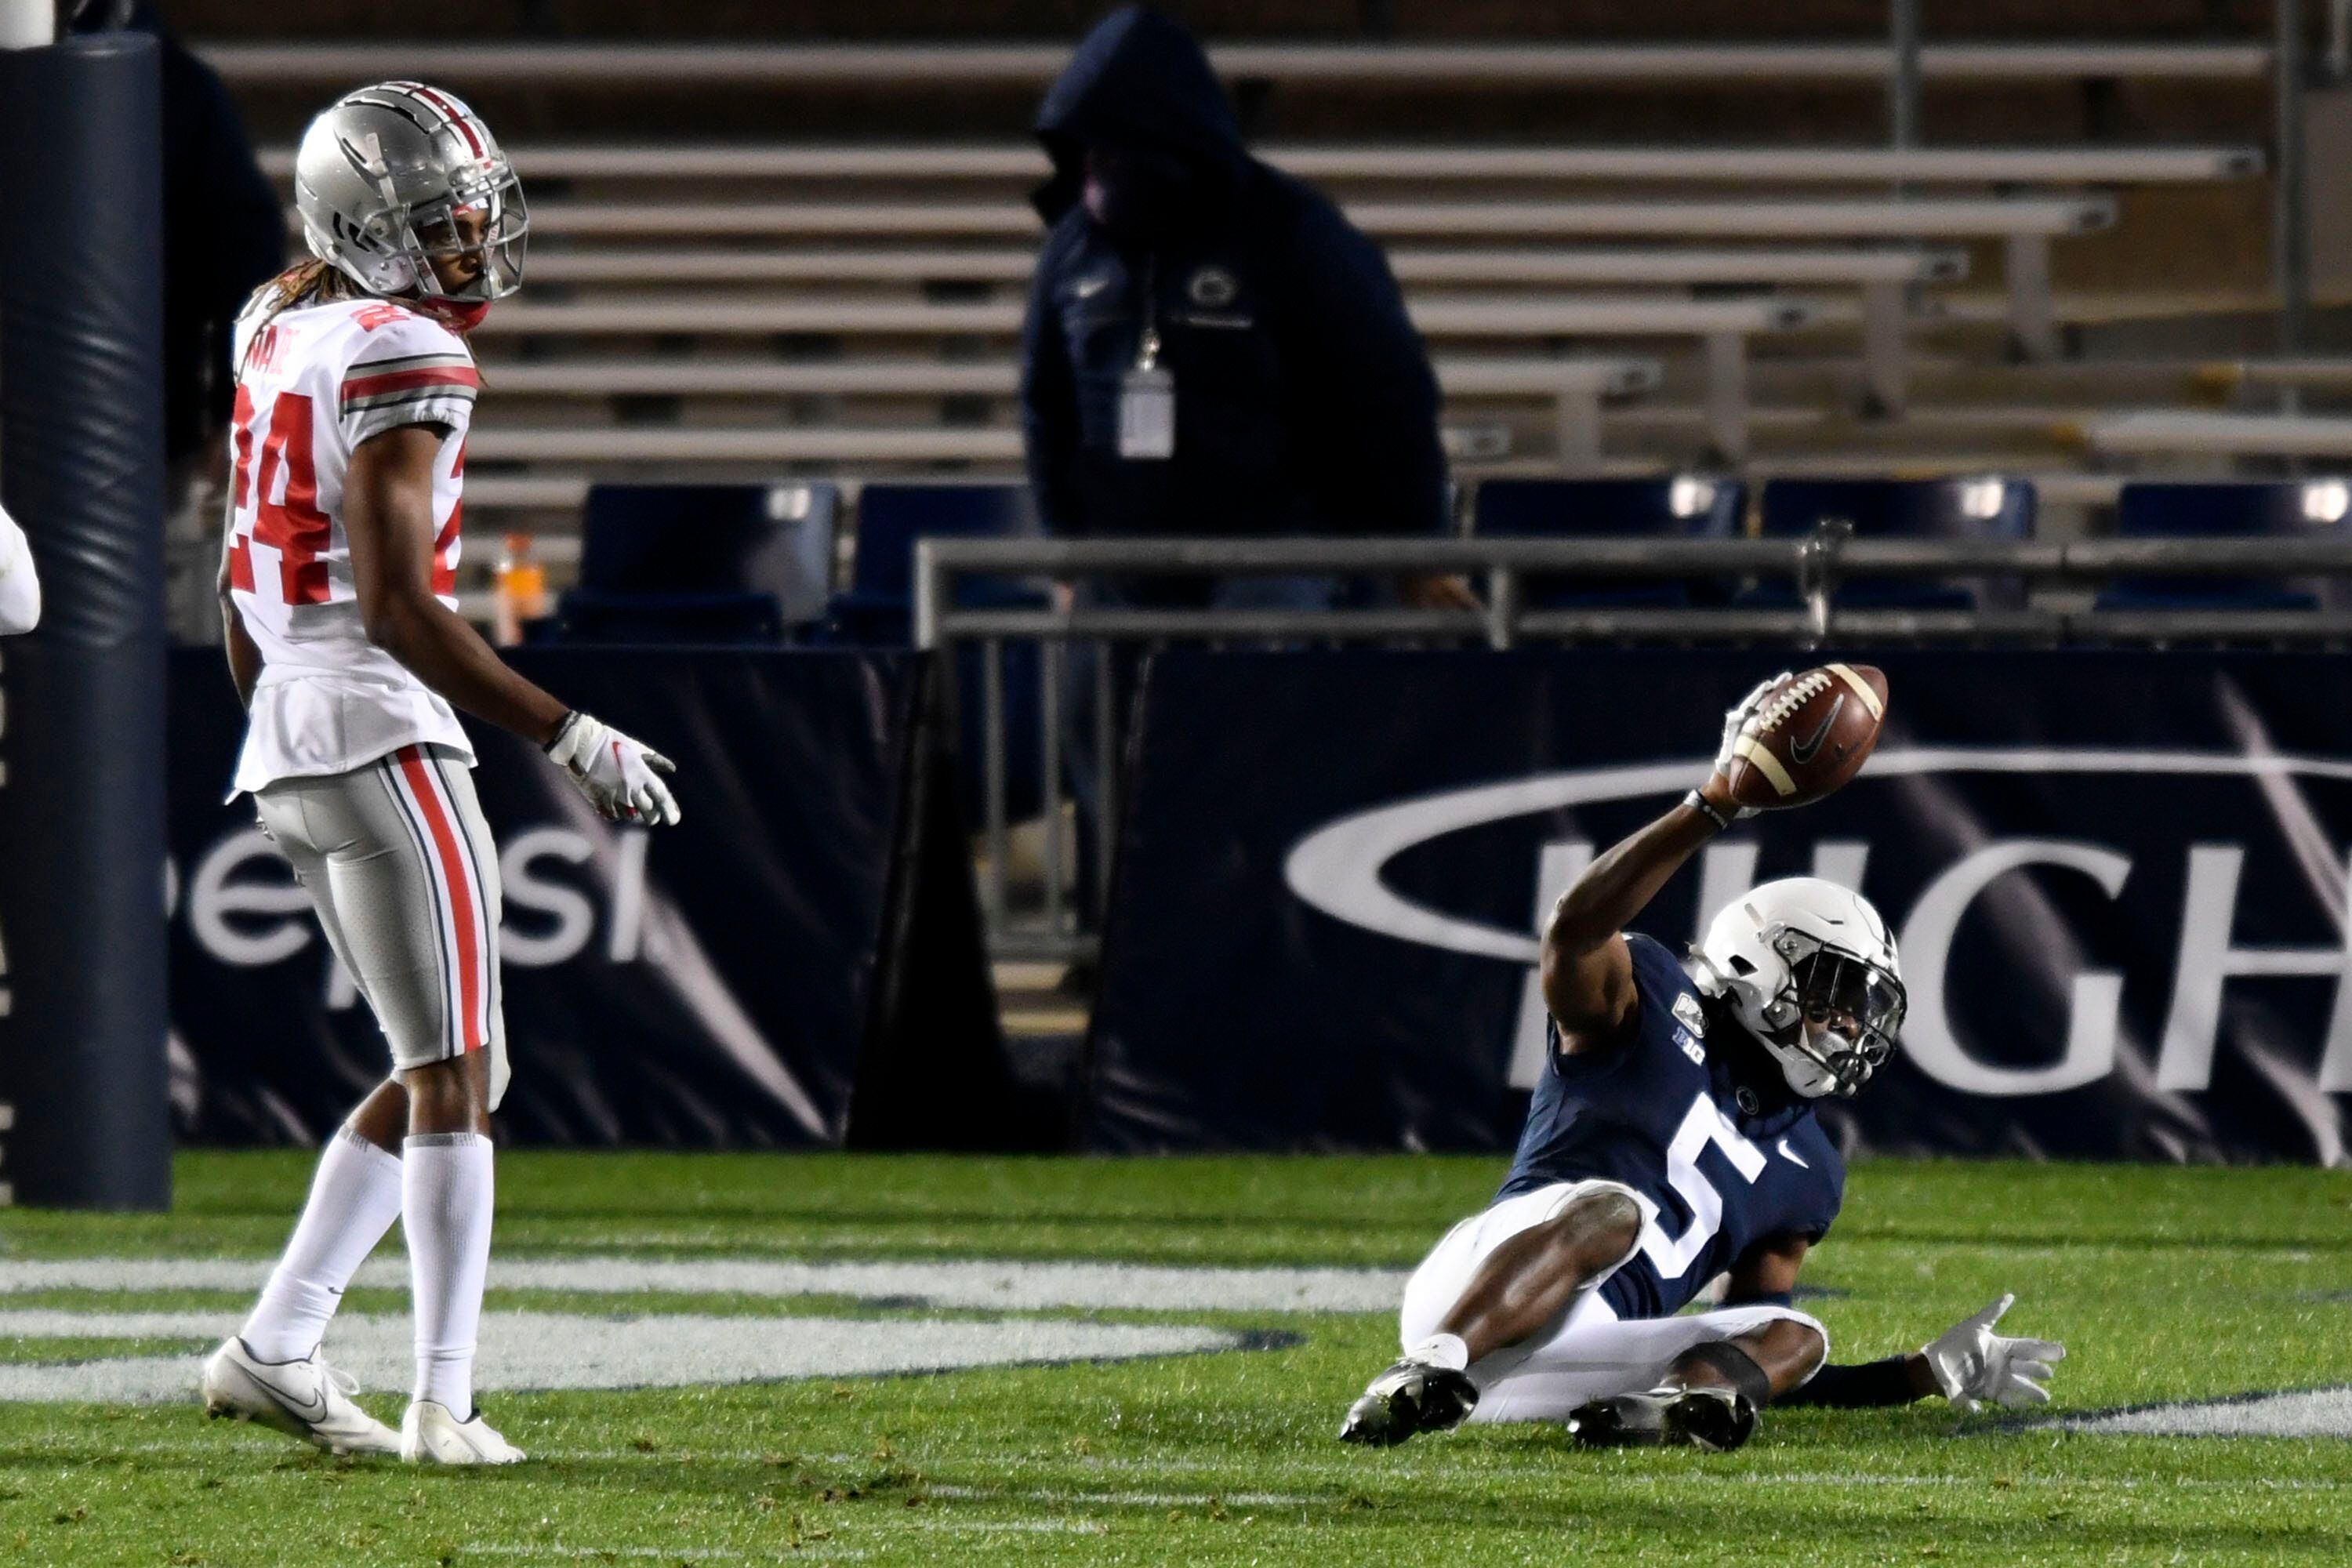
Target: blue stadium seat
<point>1683,506</point>
<point>734,563</point>
<point>2223,510</point>
<point>1985,508</point>
<point>878,608</point>
<point>591,615</point>
<point>878,611</point>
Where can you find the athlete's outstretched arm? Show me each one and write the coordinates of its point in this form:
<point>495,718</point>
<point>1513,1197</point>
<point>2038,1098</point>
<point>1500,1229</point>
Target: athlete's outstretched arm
<point>388,520</point>
<point>1588,975</point>
<point>1967,1364</point>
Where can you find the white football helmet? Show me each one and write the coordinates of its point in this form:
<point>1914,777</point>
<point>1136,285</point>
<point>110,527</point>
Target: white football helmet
<point>1810,969</point>
<point>381,178</point>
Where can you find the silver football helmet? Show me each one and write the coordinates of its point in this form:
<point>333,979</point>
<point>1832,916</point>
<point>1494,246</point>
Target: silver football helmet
<point>1810,969</point>
<point>395,175</point>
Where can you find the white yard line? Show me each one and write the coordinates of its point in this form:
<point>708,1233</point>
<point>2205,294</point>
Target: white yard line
<point>551,1350</point>
<point>813,1553</point>
<point>1005,1526</point>
<point>551,1549</point>
<point>1126,1499</point>
<point>985,1283</point>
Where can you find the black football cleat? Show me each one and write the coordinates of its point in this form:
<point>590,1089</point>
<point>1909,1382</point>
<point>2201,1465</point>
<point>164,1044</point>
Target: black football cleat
<point>1715,1419</point>
<point>1410,1396</point>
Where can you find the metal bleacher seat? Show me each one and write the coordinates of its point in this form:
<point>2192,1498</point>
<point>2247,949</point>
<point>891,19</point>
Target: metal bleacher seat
<point>708,563</point>
<point>1681,507</point>
<point>2172,435</point>
<point>2027,223</point>
<point>2223,511</point>
<point>1372,161</point>
<point>1979,508</point>
<point>739,63</point>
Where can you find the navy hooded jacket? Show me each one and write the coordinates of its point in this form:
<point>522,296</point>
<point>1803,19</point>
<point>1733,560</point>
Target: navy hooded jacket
<point>1304,399</point>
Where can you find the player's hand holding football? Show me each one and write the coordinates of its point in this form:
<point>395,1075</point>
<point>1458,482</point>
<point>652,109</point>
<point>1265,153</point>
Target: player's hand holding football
<point>620,776</point>
<point>1973,1366</point>
<point>1738,721</point>
<point>1793,740</point>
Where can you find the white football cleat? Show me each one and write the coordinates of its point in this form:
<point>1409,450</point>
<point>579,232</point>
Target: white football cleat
<point>305,1399</point>
<point>430,1435</point>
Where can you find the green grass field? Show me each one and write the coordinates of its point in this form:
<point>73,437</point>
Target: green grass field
<point>2165,1284</point>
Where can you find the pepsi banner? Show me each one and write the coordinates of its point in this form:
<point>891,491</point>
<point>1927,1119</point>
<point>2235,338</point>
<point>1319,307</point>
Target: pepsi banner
<point>731,982</point>
<point>2117,881</point>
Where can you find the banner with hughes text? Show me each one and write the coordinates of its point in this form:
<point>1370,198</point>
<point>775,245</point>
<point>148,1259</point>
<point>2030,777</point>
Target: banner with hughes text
<point>2117,879</point>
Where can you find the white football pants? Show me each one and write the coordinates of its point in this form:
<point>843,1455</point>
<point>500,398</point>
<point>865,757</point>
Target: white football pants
<point>1590,1353</point>
<point>403,874</point>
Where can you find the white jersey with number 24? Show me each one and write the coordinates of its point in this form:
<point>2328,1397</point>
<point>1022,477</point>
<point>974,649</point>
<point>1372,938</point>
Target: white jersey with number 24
<point>313,384</point>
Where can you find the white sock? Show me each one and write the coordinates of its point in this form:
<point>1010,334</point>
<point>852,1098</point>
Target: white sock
<point>354,1198</point>
<point>1441,1350</point>
<point>445,1214</point>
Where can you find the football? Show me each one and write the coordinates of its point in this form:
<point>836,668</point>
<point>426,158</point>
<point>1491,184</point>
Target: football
<point>1812,734</point>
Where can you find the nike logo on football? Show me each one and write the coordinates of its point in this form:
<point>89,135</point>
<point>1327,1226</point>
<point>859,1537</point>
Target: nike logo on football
<point>1792,1155</point>
<point>1802,751</point>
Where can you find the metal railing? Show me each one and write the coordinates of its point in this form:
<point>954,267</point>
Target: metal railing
<point>1815,565</point>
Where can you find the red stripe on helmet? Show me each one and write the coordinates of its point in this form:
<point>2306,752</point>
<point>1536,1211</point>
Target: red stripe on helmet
<point>457,116</point>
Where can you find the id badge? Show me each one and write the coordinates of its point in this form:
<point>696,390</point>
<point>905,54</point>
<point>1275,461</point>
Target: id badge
<point>1147,413</point>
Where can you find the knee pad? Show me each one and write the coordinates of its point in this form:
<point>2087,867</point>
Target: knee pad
<point>1736,1367</point>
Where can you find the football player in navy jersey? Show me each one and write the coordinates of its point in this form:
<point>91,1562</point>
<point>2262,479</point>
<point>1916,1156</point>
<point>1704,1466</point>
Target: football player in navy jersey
<point>1671,1142</point>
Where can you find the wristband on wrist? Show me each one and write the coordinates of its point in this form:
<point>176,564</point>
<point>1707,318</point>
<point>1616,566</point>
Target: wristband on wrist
<point>1870,1384</point>
<point>1699,801</point>
<point>562,730</point>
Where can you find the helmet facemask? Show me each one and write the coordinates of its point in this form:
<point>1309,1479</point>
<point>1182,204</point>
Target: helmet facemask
<point>1833,1021</point>
<point>436,232</point>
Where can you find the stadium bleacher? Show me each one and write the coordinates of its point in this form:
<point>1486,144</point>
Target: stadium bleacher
<point>815,266</point>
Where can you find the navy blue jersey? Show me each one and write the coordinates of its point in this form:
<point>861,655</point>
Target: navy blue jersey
<point>1664,1115</point>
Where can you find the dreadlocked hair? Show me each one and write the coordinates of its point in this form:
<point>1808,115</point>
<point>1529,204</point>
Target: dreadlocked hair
<point>311,282</point>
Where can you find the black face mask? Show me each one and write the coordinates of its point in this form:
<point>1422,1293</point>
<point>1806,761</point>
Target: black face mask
<point>1136,192</point>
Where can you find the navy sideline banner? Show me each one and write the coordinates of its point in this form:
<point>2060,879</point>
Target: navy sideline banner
<point>717,984</point>
<point>2117,878</point>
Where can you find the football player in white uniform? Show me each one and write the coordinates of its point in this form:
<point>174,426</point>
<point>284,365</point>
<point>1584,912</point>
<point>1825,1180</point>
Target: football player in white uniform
<point>20,591</point>
<point>354,390</point>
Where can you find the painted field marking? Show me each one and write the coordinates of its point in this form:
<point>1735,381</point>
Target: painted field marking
<point>556,1350</point>
<point>668,1553</point>
<point>813,1553</point>
<point>1126,1498</point>
<point>979,1283</point>
<point>2297,1413</point>
<point>1005,1526</point>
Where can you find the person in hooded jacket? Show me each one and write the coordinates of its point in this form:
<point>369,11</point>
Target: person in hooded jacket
<point>1211,348</point>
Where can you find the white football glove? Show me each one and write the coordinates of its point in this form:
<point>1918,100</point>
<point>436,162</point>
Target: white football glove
<point>1972,1365</point>
<point>621,777</point>
<point>1736,723</point>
